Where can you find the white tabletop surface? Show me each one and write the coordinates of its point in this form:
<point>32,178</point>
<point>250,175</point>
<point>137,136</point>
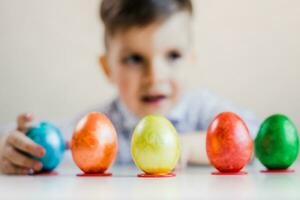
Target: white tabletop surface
<point>193,182</point>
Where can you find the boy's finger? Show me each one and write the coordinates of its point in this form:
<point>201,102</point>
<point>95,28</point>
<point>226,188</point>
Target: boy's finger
<point>21,160</point>
<point>9,168</point>
<point>23,120</point>
<point>25,144</point>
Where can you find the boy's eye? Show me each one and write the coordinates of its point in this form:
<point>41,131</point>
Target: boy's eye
<point>133,59</point>
<point>173,55</point>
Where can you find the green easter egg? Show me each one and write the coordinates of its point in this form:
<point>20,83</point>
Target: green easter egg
<point>277,142</point>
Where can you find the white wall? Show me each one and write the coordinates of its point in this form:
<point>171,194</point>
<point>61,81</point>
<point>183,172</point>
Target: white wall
<point>249,52</point>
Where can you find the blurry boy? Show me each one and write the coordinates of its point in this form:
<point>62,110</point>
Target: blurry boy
<point>148,46</point>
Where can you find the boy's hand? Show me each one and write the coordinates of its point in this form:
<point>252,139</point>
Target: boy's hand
<point>193,150</point>
<point>17,149</point>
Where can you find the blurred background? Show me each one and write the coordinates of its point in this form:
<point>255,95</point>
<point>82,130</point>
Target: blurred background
<point>248,50</point>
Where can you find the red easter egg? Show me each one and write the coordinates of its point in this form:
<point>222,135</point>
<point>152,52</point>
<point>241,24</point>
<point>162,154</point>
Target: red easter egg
<point>94,143</point>
<point>228,143</point>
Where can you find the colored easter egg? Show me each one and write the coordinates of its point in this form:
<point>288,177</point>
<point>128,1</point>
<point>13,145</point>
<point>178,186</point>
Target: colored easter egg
<point>51,139</point>
<point>228,143</point>
<point>94,143</point>
<point>277,142</point>
<point>155,145</point>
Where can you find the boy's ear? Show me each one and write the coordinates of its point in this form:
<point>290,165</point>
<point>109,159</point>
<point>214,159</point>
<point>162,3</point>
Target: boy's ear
<point>105,67</point>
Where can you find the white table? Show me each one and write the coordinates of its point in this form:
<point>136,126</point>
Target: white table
<point>193,182</point>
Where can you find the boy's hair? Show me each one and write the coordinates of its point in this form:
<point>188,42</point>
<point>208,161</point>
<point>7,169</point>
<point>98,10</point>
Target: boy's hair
<point>118,15</point>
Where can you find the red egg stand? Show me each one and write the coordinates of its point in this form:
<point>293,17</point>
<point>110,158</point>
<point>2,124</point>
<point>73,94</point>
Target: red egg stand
<point>277,171</point>
<point>105,174</point>
<point>229,173</point>
<point>168,175</point>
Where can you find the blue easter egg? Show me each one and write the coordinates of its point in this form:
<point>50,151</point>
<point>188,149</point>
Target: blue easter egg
<point>49,137</point>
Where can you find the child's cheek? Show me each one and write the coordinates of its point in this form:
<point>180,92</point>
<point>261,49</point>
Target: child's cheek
<point>177,89</point>
<point>178,79</point>
<point>128,84</point>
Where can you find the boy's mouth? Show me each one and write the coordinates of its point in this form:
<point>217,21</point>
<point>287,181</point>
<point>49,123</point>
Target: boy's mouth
<point>153,99</point>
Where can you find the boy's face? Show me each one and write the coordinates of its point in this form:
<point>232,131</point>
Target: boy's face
<point>146,63</point>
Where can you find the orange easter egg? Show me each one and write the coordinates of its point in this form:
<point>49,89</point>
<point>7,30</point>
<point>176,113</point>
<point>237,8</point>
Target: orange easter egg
<point>94,143</point>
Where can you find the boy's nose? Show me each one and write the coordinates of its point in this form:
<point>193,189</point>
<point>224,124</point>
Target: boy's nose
<point>156,72</point>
